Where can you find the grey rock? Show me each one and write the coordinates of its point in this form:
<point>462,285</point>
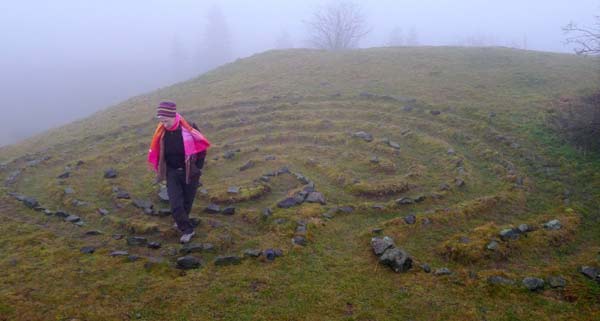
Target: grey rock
<point>233,190</point>
<point>556,281</point>
<point>381,244</point>
<point>397,259</point>
<point>509,234</point>
<point>590,272</point>
<point>410,219</point>
<point>405,201</point>
<point>492,246</point>
<point>442,271</point>
<point>426,268</point>
<point>299,240</point>
<point>79,223</point>
<point>87,250</point>
<point>252,252</point>
<point>451,151</point>
<point>345,209</point>
<point>229,210</point>
<point>164,212</point>
<point>393,144</point>
<point>283,170</point>
<point>265,179</point>
<point>154,245</point>
<point>132,258</point>
<point>270,158</point>
<point>533,284</point>
<point>222,260</point>
<point>142,204</point>
<point>137,241</point>
<point>496,279</point>
<point>188,262</point>
<point>316,197</point>
<point>110,173</point>
<point>287,202</point>
<point>123,195</point>
<point>119,253</point>
<point>93,233</point>
<point>229,154</point>
<point>61,213</point>
<point>64,175</point>
<point>103,211</point>
<point>271,254</point>
<point>196,248</point>
<point>459,182</point>
<point>69,190</point>
<point>72,218</point>
<point>435,112</point>
<point>48,212</point>
<point>280,220</point>
<point>552,225</point>
<point>374,160</point>
<point>266,212</point>
<point>523,228</point>
<point>249,164</point>
<point>363,135</point>
<point>419,198</point>
<point>163,194</point>
<point>30,202</point>
<point>444,187</point>
<point>212,209</point>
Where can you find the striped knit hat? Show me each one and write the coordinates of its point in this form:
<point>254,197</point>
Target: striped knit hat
<point>166,109</point>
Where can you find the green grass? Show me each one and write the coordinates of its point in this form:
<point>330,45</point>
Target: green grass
<point>285,103</point>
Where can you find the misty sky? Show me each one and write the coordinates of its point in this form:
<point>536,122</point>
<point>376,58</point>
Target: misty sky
<point>62,60</point>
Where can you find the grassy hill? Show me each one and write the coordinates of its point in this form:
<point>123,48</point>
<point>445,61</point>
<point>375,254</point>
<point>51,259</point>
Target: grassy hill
<point>458,153</point>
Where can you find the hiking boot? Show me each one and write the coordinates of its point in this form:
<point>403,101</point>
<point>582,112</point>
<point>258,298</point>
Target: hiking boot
<point>185,238</point>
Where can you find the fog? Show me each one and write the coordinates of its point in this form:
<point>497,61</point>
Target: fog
<point>63,60</point>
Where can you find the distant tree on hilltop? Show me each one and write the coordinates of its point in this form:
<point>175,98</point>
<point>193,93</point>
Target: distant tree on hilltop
<point>215,47</point>
<point>586,39</point>
<point>338,26</point>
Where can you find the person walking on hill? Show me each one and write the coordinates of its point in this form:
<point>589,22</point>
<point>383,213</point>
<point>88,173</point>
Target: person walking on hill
<point>177,154</point>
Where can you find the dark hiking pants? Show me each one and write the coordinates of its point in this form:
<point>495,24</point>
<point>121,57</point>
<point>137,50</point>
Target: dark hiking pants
<point>181,197</point>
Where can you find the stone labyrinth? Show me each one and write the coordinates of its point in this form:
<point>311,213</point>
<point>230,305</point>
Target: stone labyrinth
<point>280,168</point>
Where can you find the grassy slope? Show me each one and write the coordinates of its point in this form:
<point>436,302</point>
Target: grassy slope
<point>335,276</point>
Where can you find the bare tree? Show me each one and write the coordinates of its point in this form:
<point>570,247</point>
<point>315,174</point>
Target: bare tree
<point>396,37</point>
<point>412,39</point>
<point>284,41</point>
<point>586,39</point>
<point>338,26</point>
<point>215,48</point>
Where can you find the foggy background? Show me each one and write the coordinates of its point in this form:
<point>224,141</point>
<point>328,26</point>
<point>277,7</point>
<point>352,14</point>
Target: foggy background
<point>62,60</point>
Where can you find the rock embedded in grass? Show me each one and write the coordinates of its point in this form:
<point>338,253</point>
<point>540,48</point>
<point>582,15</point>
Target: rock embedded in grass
<point>142,204</point>
<point>154,245</point>
<point>163,194</point>
<point>556,281</point>
<point>137,241</point>
<point>252,252</point>
<point>188,262</point>
<point>316,197</point>
<point>72,218</point>
<point>590,272</point>
<point>87,250</point>
<point>103,211</point>
<point>442,271</point>
<point>509,234</point>
<point>496,279</point>
<point>30,202</point>
<point>381,244</point>
<point>287,202</point>
<point>299,240</point>
<point>363,135</point>
<point>410,219</point>
<point>229,210</point>
<point>110,173</point>
<point>119,253</point>
<point>212,209</point>
<point>552,225</point>
<point>397,259</point>
<point>223,260</point>
<point>533,283</point>
<point>233,190</point>
<point>405,201</point>
<point>249,164</point>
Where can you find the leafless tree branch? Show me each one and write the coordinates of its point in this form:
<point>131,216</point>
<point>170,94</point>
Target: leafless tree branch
<point>338,26</point>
